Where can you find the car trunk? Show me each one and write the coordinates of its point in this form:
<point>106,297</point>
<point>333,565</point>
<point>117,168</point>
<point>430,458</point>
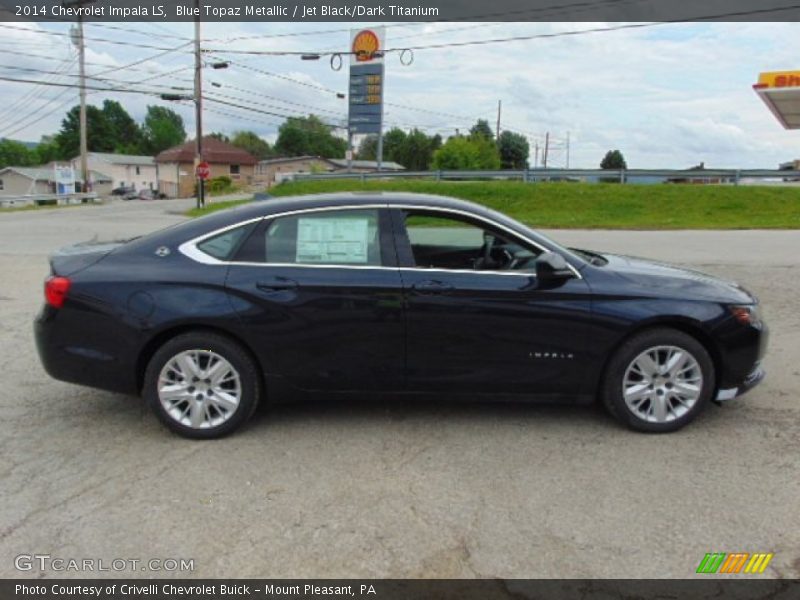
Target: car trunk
<point>69,260</point>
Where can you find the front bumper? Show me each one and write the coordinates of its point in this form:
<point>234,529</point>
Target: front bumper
<point>755,377</point>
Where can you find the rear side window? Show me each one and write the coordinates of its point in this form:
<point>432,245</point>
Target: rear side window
<point>336,237</point>
<point>223,245</point>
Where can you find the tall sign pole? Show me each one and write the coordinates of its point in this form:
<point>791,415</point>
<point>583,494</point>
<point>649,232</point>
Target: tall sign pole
<point>198,108</point>
<point>365,111</point>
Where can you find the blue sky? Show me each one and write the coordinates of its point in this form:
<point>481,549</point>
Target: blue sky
<point>668,96</point>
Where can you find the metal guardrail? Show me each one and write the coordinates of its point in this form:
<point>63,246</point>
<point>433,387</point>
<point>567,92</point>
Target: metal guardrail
<point>47,200</point>
<point>732,176</point>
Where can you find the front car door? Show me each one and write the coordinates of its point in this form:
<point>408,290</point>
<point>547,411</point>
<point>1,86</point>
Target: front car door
<point>319,296</point>
<point>478,320</point>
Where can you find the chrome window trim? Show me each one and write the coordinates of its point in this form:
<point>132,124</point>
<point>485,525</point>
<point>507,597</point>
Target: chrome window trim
<point>190,249</point>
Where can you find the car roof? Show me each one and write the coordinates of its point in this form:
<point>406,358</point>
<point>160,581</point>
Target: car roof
<point>288,203</point>
<point>275,205</point>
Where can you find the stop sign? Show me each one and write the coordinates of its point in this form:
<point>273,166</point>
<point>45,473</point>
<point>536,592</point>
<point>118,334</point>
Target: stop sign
<point>203,170</point>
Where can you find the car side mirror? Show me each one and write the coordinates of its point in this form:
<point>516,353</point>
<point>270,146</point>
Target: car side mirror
<point>550,265</point>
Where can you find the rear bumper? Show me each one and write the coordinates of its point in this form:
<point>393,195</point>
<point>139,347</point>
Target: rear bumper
<point>83,364</point>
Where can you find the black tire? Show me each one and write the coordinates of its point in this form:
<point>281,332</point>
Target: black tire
<point>239,359</point>
<point>612,389</point>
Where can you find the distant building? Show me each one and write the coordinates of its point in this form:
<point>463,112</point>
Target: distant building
<point>366,166</point>
<point>275,170</point>
<point>34,181</point>
<point>792,165</point>
<point>176,167</point>
<point>700,180</point>
<point>125,170</point>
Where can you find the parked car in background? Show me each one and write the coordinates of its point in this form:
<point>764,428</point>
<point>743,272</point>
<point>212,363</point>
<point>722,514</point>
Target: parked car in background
<point>123,191</point>
<point>390,293</point>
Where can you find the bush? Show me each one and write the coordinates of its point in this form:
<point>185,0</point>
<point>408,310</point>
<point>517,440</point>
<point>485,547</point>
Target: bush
<point>219,185</point>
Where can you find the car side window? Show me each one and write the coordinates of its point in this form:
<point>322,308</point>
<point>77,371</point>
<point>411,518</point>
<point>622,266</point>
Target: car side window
<point>444,241</point>
<point>331,237</point>
<point>223,245</point>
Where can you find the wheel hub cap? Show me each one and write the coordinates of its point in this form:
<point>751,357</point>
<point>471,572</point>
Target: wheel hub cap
<point>662,384</point>
<point>199,389</point>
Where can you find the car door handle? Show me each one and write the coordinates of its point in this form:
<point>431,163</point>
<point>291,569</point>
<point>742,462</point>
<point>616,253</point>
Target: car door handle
<point>432,286</point>
<point>277,284</point>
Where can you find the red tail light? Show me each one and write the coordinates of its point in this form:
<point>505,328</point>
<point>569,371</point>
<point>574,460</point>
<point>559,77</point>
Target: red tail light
<point>55,290</point>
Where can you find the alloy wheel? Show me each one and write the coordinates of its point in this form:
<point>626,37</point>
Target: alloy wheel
<point>662,384</point>
<point>199,389</point>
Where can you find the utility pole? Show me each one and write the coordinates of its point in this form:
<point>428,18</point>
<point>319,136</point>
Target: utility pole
<point>499,105</point>
<point>568,149</point>
<point>198,107</point>
<point>82,77</point>
<point>546,149</point>
<point>78,40</point>
<point>536,157</point>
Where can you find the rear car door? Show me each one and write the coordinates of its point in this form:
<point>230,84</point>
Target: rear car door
<point>319,295</point>
<point>478,320</point>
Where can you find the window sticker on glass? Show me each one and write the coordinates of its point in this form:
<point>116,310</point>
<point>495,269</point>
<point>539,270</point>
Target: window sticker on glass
<point>332,240</point>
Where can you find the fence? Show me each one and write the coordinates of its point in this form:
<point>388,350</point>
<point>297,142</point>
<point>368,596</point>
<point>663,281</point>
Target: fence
<point>642,176</point>
<point>47,200</point>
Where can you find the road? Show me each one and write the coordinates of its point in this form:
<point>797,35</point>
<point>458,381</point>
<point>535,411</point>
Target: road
<point>385,488</point>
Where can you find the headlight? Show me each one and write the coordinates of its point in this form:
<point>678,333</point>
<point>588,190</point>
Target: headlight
<point>746,314</point>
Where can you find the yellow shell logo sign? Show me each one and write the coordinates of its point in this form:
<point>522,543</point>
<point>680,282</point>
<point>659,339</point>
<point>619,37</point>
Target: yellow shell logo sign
<point>365,45</point>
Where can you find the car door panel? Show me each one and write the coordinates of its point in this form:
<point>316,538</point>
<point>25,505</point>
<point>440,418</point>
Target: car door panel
<point>487,331</point>
<point>322,326</point>
<point>494,333</point>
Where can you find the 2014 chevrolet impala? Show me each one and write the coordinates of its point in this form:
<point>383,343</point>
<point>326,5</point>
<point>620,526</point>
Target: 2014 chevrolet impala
<point>388,293</point>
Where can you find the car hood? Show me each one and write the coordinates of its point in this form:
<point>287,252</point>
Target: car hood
<point>676,281</point>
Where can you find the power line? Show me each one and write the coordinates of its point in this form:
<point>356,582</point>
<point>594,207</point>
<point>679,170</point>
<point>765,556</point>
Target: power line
<point>34,93</point>
<point>76,86</point>
<point>98,40</point>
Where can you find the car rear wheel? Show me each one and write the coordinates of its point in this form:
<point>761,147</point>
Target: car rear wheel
<point>202,385</point>
<point>658,381</point>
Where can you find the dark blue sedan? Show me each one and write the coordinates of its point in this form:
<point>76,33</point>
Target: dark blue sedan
<point>389,293</point>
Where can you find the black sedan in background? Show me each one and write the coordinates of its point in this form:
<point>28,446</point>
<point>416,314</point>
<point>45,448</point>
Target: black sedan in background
<point>389,293</point>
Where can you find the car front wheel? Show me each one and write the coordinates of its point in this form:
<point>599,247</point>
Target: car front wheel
<point>202,385</point>
<point>659,380</point>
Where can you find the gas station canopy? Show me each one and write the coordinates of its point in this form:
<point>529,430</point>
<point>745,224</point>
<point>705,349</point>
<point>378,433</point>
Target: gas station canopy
<point>780,91</point>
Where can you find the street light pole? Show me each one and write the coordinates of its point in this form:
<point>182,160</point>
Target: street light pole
<point>198,106</point>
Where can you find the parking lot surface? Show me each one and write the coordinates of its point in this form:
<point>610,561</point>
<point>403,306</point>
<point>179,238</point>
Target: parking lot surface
<point>389,488</point>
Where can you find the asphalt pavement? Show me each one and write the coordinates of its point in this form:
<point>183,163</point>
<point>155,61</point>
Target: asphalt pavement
<point>388,488</point>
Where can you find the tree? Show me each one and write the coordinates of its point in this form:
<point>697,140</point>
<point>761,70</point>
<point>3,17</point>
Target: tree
<point>413,150</point>
<point>15,154</point>
<point>309,136</point>
<point>220,136</point>
<point>416,151</point>
<point>393,140</point>
<point>162,129</point>
<point>481,128</point>
<point>464,154</point>
<point>126,136</point>
<point>99,132</point>
<point>252,143</point>
<point>368,148</point>
<point>514,150</point>
<point>47,150</point>
<point>613,160</point>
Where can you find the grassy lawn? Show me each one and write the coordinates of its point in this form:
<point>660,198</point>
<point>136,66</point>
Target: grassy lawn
<point>597,206</point>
